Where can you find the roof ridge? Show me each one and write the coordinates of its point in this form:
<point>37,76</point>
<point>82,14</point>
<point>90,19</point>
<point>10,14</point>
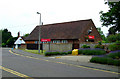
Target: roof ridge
<point>66,22</point>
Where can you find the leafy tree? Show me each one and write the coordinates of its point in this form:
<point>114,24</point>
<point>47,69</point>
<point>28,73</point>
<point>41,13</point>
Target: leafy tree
<point>101,33</point>
<point>5,36</point>
<point>25,35</point>
<point>112,17</point>
<point>114,38</point>
<point>10,41</point>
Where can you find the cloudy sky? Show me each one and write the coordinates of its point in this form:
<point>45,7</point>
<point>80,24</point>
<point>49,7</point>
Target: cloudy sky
<point>20,15</point>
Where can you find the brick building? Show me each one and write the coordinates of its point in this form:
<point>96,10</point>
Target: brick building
<point>64,36</point>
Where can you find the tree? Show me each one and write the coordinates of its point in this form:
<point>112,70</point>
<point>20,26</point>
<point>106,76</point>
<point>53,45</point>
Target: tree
<point>10,41</point>
<point>112,17</point>
<point>114,38</point>
<point>5,36</point>
<point>25,35</point>
<point>101,33</point>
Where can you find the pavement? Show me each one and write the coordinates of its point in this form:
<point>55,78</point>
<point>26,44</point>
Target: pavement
<point>80,60</point>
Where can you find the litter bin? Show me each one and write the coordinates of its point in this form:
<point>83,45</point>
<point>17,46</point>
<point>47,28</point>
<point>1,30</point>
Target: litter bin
<point>75,52</point>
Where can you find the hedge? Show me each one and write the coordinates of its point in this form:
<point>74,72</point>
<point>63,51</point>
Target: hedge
<point>50,53</point>
<point>85,46</point>
<point>88,51</point>
<point>113,58</point>
<point>105,60</point>
<point>114,54</point>
<point>99,46</point>
<point>84,51</point>
<point>114,47</point>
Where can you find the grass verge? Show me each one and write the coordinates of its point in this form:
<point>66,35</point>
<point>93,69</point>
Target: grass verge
<point>35,51</point>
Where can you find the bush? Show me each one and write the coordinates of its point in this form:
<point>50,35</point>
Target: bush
<point>113,38</point>
<point>63,53</point>
<point>99,46</point>
<point>114,54</point>
<point>91,51</point>
<point>85,46</point>
<point>3,45</point>
<point>49,53</point>
<point>105,60</point>
<point>99,43</point>
<point>80,51</point>
<point>117,62</point>
<point>100,60</point>
<point>69,52</point>
<point>114,47</point>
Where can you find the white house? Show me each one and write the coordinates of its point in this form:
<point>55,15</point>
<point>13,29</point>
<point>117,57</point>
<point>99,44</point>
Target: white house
<point>19,42</point>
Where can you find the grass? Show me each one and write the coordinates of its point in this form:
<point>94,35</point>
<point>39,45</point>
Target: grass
<point>35,51</point>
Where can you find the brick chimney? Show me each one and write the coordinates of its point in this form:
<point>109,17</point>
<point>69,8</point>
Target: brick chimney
<point>18,34</point>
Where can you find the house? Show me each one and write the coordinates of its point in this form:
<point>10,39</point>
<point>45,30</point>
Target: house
<point>64,36</point>
<point>19,43</point>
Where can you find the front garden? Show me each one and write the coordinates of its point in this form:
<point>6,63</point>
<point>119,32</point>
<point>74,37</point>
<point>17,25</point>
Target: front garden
<point>99,55</point>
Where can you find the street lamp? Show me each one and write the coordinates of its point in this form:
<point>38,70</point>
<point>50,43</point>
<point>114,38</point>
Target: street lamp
<point>39,32</point>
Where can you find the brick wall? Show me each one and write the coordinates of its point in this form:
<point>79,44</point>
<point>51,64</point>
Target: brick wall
<point>58,47</point>
<point>22,46</point>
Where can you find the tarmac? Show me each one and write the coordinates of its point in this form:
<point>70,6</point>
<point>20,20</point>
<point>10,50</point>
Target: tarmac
<point>81,60</point>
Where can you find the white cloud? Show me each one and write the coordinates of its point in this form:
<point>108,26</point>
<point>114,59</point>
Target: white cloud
<point>20,15</point>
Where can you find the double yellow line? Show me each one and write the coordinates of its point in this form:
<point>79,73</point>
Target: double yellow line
<point>15,73</point>
<point>66,63</point>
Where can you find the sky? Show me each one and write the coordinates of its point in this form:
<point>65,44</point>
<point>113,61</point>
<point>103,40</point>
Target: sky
<point>21,15</point>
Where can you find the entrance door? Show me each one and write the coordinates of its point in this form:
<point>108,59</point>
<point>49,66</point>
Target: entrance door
<point>75,46</point>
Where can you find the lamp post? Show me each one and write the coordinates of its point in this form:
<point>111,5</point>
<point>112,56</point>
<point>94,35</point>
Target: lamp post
<point>39,32</point>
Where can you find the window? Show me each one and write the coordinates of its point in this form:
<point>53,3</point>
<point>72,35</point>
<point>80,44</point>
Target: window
<point>89,40</point>
<point>64,41</point>
<point>56,41</point>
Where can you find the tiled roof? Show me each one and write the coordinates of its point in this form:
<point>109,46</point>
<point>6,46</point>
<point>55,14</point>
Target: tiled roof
<point>66,30</point>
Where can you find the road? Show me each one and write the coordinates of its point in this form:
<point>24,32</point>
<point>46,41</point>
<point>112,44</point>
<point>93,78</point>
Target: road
<point>14,65</point>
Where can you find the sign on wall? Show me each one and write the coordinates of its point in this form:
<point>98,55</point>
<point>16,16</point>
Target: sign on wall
<point>45,40</point>
<point>91,37</point>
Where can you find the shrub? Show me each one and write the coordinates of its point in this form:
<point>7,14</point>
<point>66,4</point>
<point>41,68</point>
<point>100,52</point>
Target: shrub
<point>117,62</point>
<point>49,53</point>
<point>85,46</point>
<point>105,60</point>
<point>69,52</point>
<point>114,54</point>
<point>114,47</point>
<point>87,51</point>
<point>100,60</point>
<point>113,38</point>
<point>63,53</point>
<point>80,51</point>
<point>99,46</point>
<point>99,43</point>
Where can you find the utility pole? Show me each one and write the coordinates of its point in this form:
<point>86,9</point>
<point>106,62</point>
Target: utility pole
<point>39,32</point>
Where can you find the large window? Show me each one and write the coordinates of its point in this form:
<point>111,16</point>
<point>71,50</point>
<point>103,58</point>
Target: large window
<point>64,41</point>
<point>58,41</point>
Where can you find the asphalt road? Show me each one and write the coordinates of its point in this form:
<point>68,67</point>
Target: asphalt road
<point>20,66</point>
